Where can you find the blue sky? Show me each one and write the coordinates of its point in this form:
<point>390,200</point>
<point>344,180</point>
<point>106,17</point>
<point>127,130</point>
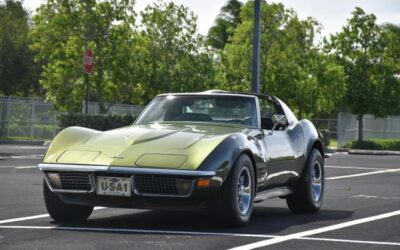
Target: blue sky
<point>331,13</point>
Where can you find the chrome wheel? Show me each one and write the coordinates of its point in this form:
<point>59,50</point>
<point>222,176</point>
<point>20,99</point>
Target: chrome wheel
<point>316,180</point>
<point>244,191</point>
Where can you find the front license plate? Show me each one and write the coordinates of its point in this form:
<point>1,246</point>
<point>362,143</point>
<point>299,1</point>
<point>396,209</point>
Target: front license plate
<point>115,186</point>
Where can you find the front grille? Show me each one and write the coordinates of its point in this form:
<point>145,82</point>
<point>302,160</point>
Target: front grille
<point>155,185</point>
<point>75,181</point>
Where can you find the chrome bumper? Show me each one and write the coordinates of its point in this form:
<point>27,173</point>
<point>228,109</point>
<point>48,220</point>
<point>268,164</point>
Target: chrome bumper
<point>123,170</point>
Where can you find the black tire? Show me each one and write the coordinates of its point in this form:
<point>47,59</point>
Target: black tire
<point>228,198</point>
<point>61,211</point>
<point>303,200</point>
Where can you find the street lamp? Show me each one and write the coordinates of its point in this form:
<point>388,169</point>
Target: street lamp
<point>256,48</point>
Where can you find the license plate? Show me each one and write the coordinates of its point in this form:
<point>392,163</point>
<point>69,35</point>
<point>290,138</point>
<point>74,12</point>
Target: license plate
<point>114,186</point>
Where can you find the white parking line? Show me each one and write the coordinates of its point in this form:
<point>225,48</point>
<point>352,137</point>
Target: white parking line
<point>33,217</point>
<point>26,167</point>
<point>22,157</point>
<point>279,239</point>
<point>170,232</point>
<point>363,174</point>
<point>18,167</point>
<point>24,218</point>
<point>353,241</point>
<point>361,168</point>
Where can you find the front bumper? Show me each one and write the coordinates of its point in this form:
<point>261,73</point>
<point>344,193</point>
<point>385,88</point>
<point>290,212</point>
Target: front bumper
<point>195,197</point>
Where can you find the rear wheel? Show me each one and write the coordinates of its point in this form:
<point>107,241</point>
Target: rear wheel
<point>61,211</point>
<point>235,201</point>
<point>309,193</point>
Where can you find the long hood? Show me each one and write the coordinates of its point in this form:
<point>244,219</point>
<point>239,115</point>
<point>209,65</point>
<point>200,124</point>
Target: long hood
<point>159,146</point>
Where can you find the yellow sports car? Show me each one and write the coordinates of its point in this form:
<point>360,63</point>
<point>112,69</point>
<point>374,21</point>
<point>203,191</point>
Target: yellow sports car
<point>214,150</point>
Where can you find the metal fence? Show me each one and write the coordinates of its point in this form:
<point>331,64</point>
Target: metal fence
<point>27,117</point>
<point>35,118</point>
<point>374,127</point>
<point>329,126</point>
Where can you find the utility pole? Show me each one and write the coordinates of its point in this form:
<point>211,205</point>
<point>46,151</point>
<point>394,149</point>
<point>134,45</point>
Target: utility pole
<point>255,83</point>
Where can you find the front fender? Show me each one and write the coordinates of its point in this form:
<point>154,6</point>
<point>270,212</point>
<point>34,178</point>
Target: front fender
<point>223,157</point>
<point>66,138</point>
<point>311,138</point>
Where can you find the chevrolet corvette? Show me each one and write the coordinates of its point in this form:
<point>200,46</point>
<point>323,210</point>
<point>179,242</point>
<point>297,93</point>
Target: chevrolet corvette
<point>215,150</point>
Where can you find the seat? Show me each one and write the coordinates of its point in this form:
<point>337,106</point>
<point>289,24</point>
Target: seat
<point>266,123</point>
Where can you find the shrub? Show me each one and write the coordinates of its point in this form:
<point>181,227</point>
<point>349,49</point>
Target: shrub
<point>98,122</point>
<point>326,139</point>
<point>375,144</point>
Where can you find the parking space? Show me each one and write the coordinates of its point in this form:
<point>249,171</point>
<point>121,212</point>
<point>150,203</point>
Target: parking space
<point>361,210</point>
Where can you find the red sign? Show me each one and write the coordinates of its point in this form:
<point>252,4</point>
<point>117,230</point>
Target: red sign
<point>88,60</point>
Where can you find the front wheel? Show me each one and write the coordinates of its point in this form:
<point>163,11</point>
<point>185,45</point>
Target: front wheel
<point>309,193</point>
<point>235,201</point>
<point>60,211</point>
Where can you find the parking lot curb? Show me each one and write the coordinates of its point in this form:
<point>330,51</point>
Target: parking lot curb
<point>373,152</point>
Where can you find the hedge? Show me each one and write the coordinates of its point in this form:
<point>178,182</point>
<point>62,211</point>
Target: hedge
<point>98,122</point>
<point>375,144</point>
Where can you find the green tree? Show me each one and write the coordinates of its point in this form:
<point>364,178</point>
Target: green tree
<point>292,66</point>
<point>367,57</point>
<point>227,20</point>
<point>61,32</point>
<point>18,73</point>
<point>174,54</point>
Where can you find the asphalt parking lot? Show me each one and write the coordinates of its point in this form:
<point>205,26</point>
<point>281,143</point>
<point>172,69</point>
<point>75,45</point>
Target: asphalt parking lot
<point>361,210</point>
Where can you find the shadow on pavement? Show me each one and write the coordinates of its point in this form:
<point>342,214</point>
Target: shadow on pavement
<point>264,221</point>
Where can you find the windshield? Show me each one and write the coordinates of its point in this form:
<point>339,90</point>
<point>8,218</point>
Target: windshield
<point>192,108</point>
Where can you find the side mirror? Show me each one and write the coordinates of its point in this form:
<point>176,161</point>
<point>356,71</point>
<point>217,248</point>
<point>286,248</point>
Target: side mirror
<point>278,120</point>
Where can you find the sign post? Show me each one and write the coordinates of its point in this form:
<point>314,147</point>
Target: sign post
<point>88,60</point>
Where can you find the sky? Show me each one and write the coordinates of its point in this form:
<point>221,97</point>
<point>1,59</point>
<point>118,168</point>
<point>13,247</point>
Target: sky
<point>332,14</point>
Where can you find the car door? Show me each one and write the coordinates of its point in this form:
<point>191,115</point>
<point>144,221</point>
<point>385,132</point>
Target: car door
<point>280,153</point>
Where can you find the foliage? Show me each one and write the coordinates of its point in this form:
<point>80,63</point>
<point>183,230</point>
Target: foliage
<point>61,32</point>
<point>292,67</point>
<point>367,58</point>
<point>18,73</point>
<point>375,144</point>
<point>132,64</point>
<point>228,19</point>
<point>173,55</point>
<point>98,122</point>
<point>326,138</point>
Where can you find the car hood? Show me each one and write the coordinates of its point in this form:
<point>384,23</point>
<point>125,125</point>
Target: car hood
<point>177,146</point>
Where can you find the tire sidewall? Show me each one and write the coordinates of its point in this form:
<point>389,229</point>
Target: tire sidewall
<point>242,162</point>
<point>315,156</point>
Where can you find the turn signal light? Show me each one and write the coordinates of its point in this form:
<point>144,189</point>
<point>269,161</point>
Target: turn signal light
<point>54,179</point>
<point>203,183</point>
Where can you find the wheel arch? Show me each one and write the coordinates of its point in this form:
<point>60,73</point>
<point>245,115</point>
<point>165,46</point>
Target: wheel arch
<point>225,155</point>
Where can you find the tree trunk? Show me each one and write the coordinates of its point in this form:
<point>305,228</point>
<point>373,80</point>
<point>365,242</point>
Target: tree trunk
<point>360,127</point>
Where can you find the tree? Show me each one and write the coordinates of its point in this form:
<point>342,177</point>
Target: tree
<point>292,66</point>
<point>362,49</point>
<point>18,74</point>
<point>61,32</point>
<point>228,19</point>
<point>174,56</point>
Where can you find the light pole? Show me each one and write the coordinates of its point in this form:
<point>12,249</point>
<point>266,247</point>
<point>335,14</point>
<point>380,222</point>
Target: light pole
<point>255,83</point>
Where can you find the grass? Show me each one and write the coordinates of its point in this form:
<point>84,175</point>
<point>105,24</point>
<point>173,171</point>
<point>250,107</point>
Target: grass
<point>19,138</point>
<point>375,144</point>
<point>333,143</point>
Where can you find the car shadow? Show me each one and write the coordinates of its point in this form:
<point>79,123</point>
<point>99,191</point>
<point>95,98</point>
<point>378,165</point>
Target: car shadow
<point>265,220</point>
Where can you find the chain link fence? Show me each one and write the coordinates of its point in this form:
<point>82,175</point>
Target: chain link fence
<point>374,127</point>
<point>35,118</point>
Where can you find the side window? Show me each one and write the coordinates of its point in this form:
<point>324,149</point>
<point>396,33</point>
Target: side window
<point>267,110</point>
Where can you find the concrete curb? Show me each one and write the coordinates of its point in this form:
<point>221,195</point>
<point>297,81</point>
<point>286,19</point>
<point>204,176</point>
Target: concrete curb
<point>336,150</point>
<point>373,152</point>
<point>23,142</point>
